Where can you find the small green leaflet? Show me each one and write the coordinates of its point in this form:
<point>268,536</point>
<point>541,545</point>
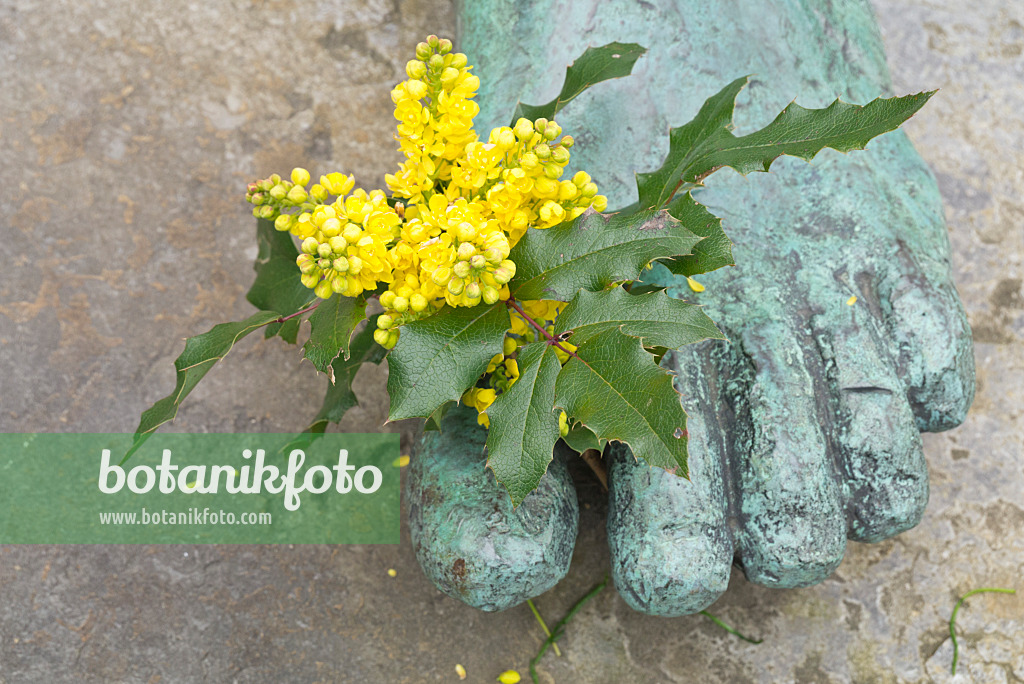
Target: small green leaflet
<point>593,252</point>
<point>277,286</point>
<point>433,421</point>
<point>438,358</point>
<point>331,326</point>
<point>339,397</point>
<point>580,438</point>
<point>706,144</point>
<point>524,427</point>
<point>613,60</point>
<point>711,253</point>
<point>655,318</point>
<point>613,387</point>
<point>200,355</point>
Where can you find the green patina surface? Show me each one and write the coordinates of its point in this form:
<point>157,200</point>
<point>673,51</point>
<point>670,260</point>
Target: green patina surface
<point>805,425</point>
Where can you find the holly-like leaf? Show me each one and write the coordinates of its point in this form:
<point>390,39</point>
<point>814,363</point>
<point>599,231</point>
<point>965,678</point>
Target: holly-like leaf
<point>524,427</point>
<point>706,144</point>
<point>277,286</point>
<point>340,397</point>
<point>200,355</point>
<point>711,253</point>
<point>331,326</point>
<point>613,60</point>
<point>433,421</point>
<point>580,438</point>
<point>655,318</point>
<point>614,388</point>
<point>439,357</point>
<point>593,252</point>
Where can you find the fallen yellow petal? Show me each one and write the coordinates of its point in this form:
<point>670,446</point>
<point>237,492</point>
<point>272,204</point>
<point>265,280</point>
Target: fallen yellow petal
<point>694,285</point>
<point>851,301</point>
<point>400,462</point>
<point>459,670</point>
<point>509,677</point>
<point>392,572</point>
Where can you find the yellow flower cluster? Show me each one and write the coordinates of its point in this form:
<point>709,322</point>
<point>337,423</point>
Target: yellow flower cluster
<point>458,207</point>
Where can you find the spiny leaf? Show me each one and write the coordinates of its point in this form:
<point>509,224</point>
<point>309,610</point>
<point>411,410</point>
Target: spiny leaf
<point>524,427</point>
<point>331,326</point>
<point>613,60</point>
<point>655,318</point>
<point>711,253</point>
<point>707,143</point>
<point>277,286</point>
<point>440,357</point>
<point>339,397</point>
<point>200,355</point>
<point>580,438</point>
<point>433,421</point>
<point>593,252</point>
<point>614,388</point>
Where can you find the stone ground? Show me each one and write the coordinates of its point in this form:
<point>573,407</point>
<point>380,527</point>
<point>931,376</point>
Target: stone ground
<point>127,133</point>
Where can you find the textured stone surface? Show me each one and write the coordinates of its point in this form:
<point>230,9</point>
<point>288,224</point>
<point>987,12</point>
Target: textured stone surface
<point>97,291</point>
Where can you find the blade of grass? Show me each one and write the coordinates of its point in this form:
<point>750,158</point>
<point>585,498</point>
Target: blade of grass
<point>952,619</point>
<point>560,628</point>
<point>543,625</point>
<point>729,629</point>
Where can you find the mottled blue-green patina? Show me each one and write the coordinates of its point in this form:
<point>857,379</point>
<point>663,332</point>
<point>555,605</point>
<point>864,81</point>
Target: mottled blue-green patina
<point>804,426</point>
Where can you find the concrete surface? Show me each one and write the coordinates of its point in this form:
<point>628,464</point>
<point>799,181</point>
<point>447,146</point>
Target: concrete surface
<point>127,133</point>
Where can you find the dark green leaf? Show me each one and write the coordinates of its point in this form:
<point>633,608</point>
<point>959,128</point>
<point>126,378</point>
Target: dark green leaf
<point>331,326</point>
<point>340,397</point>
<point>200,355</point>
<point>711,253</point>
<point>593,252</point>
<point>438,358</point>
<point>707,143</point>
<point>614,388</point>
<point>277,286</point>
<point>433,421</point>
<point>657,319</point>
<point>581,438</point>
<point>524,427</point>
<point>613,60</point>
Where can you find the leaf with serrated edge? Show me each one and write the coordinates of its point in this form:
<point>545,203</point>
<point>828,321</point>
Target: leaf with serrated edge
<point>331,326</point>
<point>339,397</point>
<point>200,354</point>
<point>593,252</point>
<point>711,253</point>
<point>657,319</point>
<point>580,438</point>
<point>441,356</point>
<point>433,421</point>
<point>613,387</point>
<point>593,66</point>
<point>707,144</point>
<point>524,427</point>
<point>277,286</point>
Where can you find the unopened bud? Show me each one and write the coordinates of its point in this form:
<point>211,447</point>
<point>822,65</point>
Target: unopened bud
<point>258,199</point>
<point>340,264</point>
<point>560,155</point>
<point>401,304</point>
<point>267,212</point>
<point>417,302</point>
<point>456,286</point>
<point>473,290</point>
<point>459,60</point>
<point>567,141</point>
<point>355,265</point>
<point>387,299</point>
<point>297,195</point>
<point>300,176</point>
<point>490,295</point>
<point>461,269</point>
<point>319,193</point>
<point>493,256</point>
<point>523,129</point>
<point>600,203</point>
<point>417,89</point>
<point>423,52</point>
<point>323,289</point>
<point>305,263</point>
<point>436,63</point>
<point>338,244</point>
<point>542,151</point>
<point>529,161</point>
<point>284,222</point>
<point>466,250</point>
<point>441,276</point>
<point>415,68</point>
<point>552,131</point>
<point>444,46</point>
<point>588,190</point>
<point>433,41</point>
<point>540,124</point>
<point>552,171</point>
<point>380,336</point>
<point>310,279</point>
<point>385,322</point>
<point>449,76</point>
<point>477,261</point>
<point>324,250</point>
<point>278,192</point>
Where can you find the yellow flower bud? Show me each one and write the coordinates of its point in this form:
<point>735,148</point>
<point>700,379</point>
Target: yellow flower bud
<point>465,231</point>
<point>560,156</point>
<point>340,264</point>
<point>466,250</point>
<point>297,195</point>
<point>473,291</point>
<point>552,171</point>
<point>436,63</point>
<point>387,299</point>
<point>284,222</point>
<point>600,203</point>
<point>310,245</point>
<point>355,265</point>
<point>323,289</point>
<point>381,336</point>
<point>385,322</point>
<point>461,269</point>
<point>415,68</point>
<point>444,46</point>
<point>477,261</point>
<point>305,263</point>
<point>567,141</point>
<point>401,304</point>
<point>490,295</point>
<point>523,129</point>
<point>423,51</point>
<point>588,190</point>
<point>323,249</point>
<point>563,424</point>
<point>459,60</point>
<point>278,192</point>
<point>567,190</point>
<point>456,286</point>
<point>300,176</point>
<point>310,279</point>
<point>416,88</point>
<point>417,302</point>
<point>441,276</point>
<point>448,77</point>
<point>542,151</point>
<point>319,193</point>
<point>338,244</point>
<point>351,232</point>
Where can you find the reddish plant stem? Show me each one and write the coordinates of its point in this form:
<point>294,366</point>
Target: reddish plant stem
<point>282,319</point>
<point>511,303</point>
